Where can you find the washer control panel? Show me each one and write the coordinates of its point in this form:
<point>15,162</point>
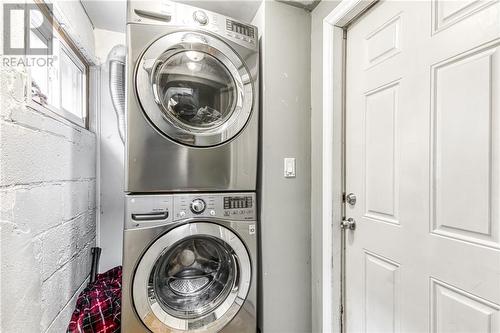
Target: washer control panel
<point>230,206</point>
<point>159,209</point>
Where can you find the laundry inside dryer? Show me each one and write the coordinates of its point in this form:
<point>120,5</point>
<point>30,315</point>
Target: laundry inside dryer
<point>194,276</point>
<point>195,89</point>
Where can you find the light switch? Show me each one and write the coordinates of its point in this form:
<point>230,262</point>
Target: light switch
<point>289,167</point>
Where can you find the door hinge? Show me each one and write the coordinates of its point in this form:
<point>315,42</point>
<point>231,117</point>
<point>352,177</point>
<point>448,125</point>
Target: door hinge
<point>344,33</point>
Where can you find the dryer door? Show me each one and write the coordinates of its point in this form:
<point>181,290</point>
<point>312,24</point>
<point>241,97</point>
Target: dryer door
<point>194,89</point>
<point>193,278</point>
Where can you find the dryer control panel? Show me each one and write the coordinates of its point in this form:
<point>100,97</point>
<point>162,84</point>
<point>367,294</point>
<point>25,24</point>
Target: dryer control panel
<point>166,12</point>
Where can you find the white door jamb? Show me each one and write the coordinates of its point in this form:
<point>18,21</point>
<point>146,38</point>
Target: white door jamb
<point>334,25</point>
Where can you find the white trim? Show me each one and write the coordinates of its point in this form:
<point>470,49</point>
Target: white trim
<point>60,111</point>
<point>95,126</point>
<point>333,66</point>
<point>76,34</point>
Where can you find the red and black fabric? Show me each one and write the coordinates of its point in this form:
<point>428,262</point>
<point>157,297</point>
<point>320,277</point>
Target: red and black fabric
<point>98,308</point>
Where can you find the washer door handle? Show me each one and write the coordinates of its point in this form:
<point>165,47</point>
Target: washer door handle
<point>150,216</point>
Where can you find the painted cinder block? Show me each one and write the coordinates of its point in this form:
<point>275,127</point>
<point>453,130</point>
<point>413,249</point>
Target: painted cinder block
<point>60,288</point>
<point>75,198</point>
<point>31,156</point>
<point>33,208</point>
<point>20,280</point>
<point>48,212</point>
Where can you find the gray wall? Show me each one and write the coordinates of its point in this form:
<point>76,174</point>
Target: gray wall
<point>285,202</point>
<point>319,13</point>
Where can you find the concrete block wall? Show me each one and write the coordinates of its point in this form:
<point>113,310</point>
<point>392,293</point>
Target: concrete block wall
<point>47,212</point>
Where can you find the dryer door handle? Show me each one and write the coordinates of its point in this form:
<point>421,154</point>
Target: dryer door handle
<point>153,15</point>
<point>150,216</point>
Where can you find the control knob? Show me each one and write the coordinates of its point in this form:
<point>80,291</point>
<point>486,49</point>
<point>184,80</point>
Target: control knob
<point>200,17</point>
<point>198,206</point>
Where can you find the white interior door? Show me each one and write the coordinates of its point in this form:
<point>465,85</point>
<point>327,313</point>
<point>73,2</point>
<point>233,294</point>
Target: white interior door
<point>423,159</point>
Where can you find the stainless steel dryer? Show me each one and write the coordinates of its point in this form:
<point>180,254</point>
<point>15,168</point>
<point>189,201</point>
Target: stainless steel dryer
<point>190,263</point>
<point>192,100</point>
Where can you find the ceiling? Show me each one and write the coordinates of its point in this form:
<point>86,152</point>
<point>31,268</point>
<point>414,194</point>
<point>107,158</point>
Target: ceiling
<point>112,15</point>
<point>107,15</point>
<point>241,10</point>
<point>308,5</point>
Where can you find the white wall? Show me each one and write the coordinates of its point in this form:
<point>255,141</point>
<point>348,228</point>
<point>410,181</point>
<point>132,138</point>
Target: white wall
<point>318,14</point>
<point>47,208</point>
<point>285,202</point>
<point>47,186</point>
<point>111,163</point>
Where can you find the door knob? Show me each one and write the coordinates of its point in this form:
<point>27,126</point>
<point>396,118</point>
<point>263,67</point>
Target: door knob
<point>349,223</point>
<point>351,199</point>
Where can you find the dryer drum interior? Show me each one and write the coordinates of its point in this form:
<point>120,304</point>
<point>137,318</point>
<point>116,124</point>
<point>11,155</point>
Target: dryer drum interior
<point>195,89</point>
<point>194,276</point>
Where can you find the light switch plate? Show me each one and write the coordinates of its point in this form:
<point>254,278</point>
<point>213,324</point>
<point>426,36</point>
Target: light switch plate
<point>289,167</point>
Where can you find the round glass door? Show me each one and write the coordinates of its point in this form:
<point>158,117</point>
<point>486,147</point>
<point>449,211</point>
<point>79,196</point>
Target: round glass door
<point>191,279</point>
<point>194,89</point>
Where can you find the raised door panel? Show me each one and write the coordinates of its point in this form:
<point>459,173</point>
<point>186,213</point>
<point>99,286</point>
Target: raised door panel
<point>454,310</point>
<point>381,154</point>
<point>465,144</point>
<point>381,294</point>
<point>384,42</point>
<point>446,13</point>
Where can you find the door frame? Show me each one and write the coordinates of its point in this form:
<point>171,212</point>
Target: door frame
<point>333,172</point>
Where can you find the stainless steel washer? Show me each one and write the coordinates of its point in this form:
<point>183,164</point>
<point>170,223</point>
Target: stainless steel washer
<point>192,100</point>
<point>190,263</point>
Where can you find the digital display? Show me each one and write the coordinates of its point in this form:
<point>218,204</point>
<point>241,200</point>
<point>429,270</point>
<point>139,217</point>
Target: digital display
<point>237,202</point>
<point>240,28</point>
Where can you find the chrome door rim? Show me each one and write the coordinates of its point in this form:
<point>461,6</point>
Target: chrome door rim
<point>155,317</point>
<point>194,41</point>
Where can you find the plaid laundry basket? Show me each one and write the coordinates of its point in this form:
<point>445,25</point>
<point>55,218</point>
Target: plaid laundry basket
<point>98,308</point>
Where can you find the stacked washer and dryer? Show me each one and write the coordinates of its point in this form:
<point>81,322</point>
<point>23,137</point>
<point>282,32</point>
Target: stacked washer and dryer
<point>190,242</point>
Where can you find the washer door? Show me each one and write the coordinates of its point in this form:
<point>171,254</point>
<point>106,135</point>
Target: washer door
<point>194,89</point>
<point>194,278</point>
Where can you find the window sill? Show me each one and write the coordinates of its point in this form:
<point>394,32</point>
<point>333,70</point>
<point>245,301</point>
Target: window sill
<point>61,116</point>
